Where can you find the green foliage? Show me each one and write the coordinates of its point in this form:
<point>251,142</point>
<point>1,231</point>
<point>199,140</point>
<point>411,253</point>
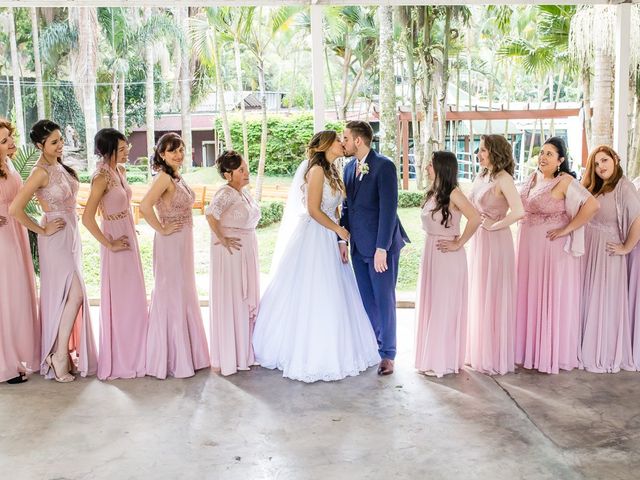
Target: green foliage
<point>132,177</point>
<point>65,109</point>
<point>409,199</point>
<point>286,141</point>
<point>271,212</point>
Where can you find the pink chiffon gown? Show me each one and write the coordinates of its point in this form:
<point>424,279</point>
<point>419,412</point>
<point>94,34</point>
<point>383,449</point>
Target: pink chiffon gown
<point>60,261</point>
<point>123,298</point>
<point>441,307</point>
<point>492,287</point>
<point>634,302</point>
<point>19,322</point>
<point>549,283</point>
<point>234,291</point>
<point>176,341</point>
<point>606,327</point>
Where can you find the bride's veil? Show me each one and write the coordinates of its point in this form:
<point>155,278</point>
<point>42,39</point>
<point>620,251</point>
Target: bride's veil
<point>295,208</point>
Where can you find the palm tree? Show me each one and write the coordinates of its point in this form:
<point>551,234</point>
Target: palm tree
<point>37,63</point>
<point>15,68</point>
<point>185,88</point>
<point>388,110</point>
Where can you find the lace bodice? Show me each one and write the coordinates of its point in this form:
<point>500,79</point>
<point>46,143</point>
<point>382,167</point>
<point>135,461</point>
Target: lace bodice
<point>234,209</point>
<point>486,201</point>
<point>117,197</point>
<point>539,205</point>
<point>179,206</point>
<point>60,193</point>
<point>330,200</point>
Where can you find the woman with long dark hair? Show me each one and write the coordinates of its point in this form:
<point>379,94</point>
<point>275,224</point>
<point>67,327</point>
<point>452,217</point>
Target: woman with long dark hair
<point>441,306</point>
<point>609,237</point>
<point>492,278</point>
<point>234,271</point>
<point>176,342</point>
<point>67,337</point>
<point>312,324</point>
<point>550,242</point>
<point>19,322</point>
<point>123,298</point>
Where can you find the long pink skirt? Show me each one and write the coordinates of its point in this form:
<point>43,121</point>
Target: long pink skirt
<point>60,261</point>
<point>634,303</point>
<point>233,302</point>
<point>123,306</point>
<point>441,310</point>
<point>492,302</point>
<point>548,301</point>
<point>19,322</point>
<point>176,342</point>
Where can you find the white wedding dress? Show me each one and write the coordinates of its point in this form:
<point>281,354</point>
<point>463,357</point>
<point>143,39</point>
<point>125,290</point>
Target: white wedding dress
<point>311,322</point>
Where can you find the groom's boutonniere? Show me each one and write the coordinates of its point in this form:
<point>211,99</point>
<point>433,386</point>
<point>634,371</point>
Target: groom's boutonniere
<point>364,169</point>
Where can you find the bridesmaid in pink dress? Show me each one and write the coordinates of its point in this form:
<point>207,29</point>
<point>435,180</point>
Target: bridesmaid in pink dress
<point>549,280</point>
<point>634,296</point>
<point>235,274</point>
<point>123,298</point>
<point>492,275</point>
<point>67,338</point>
<point>442,296</point>
<point>176,342</point>
<point>609,238</point>
<point>19,323</point>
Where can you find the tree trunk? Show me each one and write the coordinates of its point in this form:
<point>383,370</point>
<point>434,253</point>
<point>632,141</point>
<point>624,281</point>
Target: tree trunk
<point>602,125</point>
<point>122,126</point>
<point>415,125</point>
<point>114,102</point>
<point>185,92</point>
<point>388,115</point>
<point>345,81</point>
<point>634,159</point>
<point>86,69</point>
<point>442,118</point>
<point>222,107</point>
<point>149,94</point>
<point>585,74</point>
<point>245,133</point>
<point>37,63</point>
<point>263,136</point>
<point>17,90</point>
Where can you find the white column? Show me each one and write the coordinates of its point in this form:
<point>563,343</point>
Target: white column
<point>317,67</point>
<point>621,103</point>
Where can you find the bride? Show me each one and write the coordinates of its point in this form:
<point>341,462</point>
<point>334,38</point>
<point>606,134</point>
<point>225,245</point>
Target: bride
<point>311,323</point>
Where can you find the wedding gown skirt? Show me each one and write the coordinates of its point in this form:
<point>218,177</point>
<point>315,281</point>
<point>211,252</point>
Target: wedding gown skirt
<point>311,322</point>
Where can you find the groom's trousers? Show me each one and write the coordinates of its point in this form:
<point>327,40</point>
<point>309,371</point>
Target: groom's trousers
<point>378,292</point>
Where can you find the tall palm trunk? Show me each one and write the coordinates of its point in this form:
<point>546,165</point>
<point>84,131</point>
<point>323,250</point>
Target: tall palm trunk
<point>149,93</point>
<point>121,98</point>
<point>442,118</point>
<point>15,69</point>
<point>602,125</point>
<point>185,91</point>
<point>586,102</point>
<point>245,132</point>
<point>263,136</point>
<point>113,99</point>
<point>388,115</point>
<point>415,125</point>
<point>37,63</point>
<point>220,89</point>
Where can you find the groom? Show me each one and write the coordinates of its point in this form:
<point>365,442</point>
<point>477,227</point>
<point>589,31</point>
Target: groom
<point>370,214</point>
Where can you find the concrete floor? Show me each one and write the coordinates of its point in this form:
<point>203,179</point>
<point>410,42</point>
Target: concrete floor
<point>257,425</point>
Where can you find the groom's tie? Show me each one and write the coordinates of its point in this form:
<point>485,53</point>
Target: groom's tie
<point>357,168</point>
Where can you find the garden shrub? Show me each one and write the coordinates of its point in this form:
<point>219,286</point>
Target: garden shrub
<point>409,199</point>
<point>271,213</point>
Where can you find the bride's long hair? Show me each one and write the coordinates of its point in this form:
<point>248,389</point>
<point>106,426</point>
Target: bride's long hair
<point>319,144</point>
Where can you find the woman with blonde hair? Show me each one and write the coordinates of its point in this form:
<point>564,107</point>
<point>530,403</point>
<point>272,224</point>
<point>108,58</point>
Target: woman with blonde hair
<point>609,237</point>
<point>312,324</point>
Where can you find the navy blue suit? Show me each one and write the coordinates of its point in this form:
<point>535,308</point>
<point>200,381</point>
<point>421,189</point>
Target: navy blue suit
<point>370,213</point>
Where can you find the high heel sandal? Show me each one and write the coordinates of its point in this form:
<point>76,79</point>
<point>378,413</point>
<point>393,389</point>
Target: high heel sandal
<point>67,378</point>
<point>17,380</point>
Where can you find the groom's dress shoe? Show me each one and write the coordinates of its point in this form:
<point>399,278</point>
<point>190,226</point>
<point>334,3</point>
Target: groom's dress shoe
<point>385,367</point>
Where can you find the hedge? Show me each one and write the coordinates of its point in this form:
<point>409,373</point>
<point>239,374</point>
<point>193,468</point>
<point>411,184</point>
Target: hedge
<point>271,213</point>
<point>409,199</point>
<point>286,141</point>
<point>132,177</point>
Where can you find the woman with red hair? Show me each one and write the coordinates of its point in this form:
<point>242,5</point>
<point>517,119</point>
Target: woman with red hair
<point>610,235</point>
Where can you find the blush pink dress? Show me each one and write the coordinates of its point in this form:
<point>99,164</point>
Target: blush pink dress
<point>234,291</point>
<point>19,322</point>
<point>441,307</point>
<point>60,261</point>
<point>176,342</point>
<point>634,302</point>
<point>549,282</point>
<point>606,327</point>
<point>123,298</point>
<point>492,287</point>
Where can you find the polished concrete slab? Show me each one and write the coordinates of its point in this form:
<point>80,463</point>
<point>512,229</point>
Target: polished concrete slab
<point>257,425</point>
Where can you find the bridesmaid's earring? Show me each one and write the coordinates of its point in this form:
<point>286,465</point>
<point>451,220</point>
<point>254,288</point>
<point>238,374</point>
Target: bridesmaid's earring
<point>558,168</point>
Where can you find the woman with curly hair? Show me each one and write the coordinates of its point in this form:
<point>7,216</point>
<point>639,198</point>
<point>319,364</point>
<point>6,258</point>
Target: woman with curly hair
<point>176,342</point>
<point>234,272</point>
<point>550,243</point>
<point>609,237</point>
<point>492,278</point>
<point>441,307</point>
<point>312,324</point>
<point>19,322</point>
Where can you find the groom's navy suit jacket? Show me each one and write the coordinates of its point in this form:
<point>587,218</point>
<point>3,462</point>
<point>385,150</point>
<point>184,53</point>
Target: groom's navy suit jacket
<point>369,212</point>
